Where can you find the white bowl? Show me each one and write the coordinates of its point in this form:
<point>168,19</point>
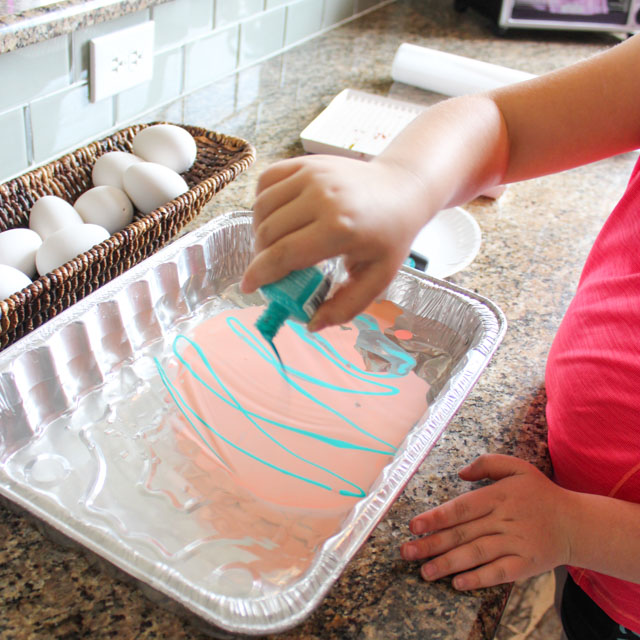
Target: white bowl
<point>450,241</point>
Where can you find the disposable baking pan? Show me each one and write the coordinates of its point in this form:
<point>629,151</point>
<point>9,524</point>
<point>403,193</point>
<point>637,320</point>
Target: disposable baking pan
<point>92,445</point>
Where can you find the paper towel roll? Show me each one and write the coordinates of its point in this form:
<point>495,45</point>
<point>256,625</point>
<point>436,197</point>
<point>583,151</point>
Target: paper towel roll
<point>448,73</point>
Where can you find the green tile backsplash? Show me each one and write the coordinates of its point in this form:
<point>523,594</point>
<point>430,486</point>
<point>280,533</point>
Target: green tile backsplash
<point>304,19</point>
<point>336,11</point>
<point>65,119</point>
<point>44,105</point>
<point>211,58</point>
<point>262,35</point>
<point>164,86</point>
<point>178,22</point>
<point>13,151</point>
<point>233,10</point>
<point>36,71</point>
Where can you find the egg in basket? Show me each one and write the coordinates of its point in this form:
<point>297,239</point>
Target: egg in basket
<point>78,222</point>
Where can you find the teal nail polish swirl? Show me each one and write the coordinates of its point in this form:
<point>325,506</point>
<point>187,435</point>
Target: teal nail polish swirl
<point>190,355</point>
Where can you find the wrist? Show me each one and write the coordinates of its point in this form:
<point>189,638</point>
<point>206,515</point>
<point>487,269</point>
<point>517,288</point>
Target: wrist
<point>603,535</point>
<point>414,199</point>
<point>572,518</point>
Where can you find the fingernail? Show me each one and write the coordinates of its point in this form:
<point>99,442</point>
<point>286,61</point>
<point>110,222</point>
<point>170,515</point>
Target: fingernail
<point>419,528</point>
<point>408,552</point>
<point>459,583</point>
<point>429,571</point>
<point>316,325</point>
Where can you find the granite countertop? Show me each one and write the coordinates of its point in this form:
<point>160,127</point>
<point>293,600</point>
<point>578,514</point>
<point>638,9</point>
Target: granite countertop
<point>25,22</point>
<point>535,239</point>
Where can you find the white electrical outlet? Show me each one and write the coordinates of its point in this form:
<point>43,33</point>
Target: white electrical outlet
<point>121,60</point>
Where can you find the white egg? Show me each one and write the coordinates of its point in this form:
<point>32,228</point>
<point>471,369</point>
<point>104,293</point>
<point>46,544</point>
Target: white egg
<point>108,168</point>
<point>11,281</point>
<point>150,185</point>
<point>66,244</point>
<point>50,213</point>
<point>18,250</point>
<point>107,206</point>
<point>166,144</point>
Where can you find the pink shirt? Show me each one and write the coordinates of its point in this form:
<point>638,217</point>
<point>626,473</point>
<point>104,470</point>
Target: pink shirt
<point>593,387</point>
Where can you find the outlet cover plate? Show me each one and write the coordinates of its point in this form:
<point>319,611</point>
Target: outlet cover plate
<point>121,60</point>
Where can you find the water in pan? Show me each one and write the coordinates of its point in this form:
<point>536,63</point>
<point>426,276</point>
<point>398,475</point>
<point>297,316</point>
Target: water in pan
<point>127,466</point>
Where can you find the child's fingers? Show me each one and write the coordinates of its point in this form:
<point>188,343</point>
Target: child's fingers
<point>275,197</point>
<point>297,250</point>
<point>493,466</point>
<point>480,553</point>
<point>505,569</point>
<point>445,540</point>
<point>289,218</point>
<point>465,508</point>
<point>285,169</point>
<point>352,298</point>
<point>276,173</point>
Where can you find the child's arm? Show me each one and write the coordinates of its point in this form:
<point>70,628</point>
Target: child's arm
<point>315,207</point>
<point>521,526</point>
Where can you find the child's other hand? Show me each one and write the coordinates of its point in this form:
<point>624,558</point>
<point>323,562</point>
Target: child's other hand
<point>315,207</point>
<point>510,530</point>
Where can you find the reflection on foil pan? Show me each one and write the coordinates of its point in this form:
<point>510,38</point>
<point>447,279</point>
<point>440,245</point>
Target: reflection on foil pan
<point>91,444</point>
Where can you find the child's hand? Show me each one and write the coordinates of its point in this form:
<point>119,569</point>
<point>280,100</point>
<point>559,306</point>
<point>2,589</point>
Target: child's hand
<point>316,207</point>
<point>510,530</point>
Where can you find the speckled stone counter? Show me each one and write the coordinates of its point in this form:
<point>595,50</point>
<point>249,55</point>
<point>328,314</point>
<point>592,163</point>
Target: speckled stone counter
<point>29,21</point>
<point>535,239</point>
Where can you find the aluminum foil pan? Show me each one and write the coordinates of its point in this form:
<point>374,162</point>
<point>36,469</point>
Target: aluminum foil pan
<point>82,448</point>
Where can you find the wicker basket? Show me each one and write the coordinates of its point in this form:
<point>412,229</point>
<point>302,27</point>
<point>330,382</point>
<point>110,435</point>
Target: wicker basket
<point>219,160</point>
